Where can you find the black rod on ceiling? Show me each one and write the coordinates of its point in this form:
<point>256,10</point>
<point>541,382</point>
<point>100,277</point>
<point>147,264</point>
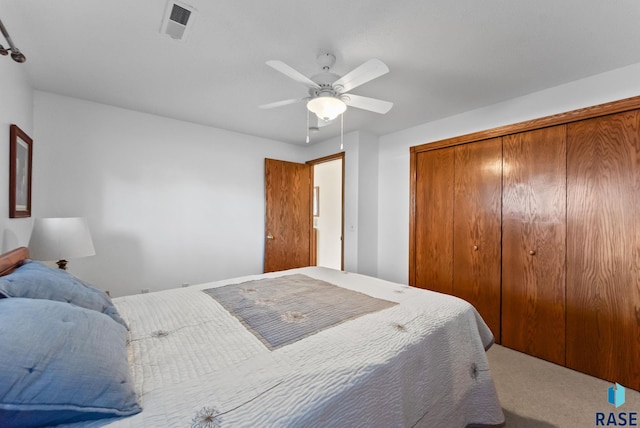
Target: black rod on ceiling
<point>15,52</point>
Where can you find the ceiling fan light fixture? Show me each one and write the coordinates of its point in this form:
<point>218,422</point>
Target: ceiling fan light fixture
<point>327,107</point>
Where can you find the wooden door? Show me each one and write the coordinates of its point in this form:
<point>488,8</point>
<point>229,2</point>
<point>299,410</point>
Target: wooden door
<point>288,215</point>
<point>477,228</point>
<point>533,242</point>
<point>433,263</point>
<point>603,251</point>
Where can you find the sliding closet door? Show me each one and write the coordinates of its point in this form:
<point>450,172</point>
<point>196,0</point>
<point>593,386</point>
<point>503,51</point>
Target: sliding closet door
<point>476,243</point>
<point>533,243</point>
<point>433,264</point>
<point>603,253</point>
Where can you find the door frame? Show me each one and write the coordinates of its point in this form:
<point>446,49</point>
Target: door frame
<point>312,237</point>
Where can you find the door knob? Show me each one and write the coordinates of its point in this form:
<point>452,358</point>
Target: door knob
<point>532,252</point>
<point>269,237</point>
<point>475,248</point>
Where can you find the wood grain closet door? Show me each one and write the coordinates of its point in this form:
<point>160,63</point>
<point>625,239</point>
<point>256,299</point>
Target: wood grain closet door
<point>603,252</point>
<point>434,220</point>
<point>533,243</point>
<point>476,225</point>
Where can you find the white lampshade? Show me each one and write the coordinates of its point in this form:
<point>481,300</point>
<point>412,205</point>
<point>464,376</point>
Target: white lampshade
<point>60,238</point>
<point>327,107</point>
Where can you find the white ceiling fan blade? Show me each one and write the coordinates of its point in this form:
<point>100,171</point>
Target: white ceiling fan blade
<point>366,103</point>
<point>362,74</point>
<point>292,73</point>
<point>283,103</point>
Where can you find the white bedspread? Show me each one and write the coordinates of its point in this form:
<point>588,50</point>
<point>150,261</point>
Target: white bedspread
<point>419,363</point>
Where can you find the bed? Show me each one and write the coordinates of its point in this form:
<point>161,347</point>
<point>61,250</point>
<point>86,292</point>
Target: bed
<point>305,347</point>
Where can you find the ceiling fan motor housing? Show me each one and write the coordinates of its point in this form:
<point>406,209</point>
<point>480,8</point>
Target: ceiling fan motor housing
<point>323,91</point>
<point>325,79</point>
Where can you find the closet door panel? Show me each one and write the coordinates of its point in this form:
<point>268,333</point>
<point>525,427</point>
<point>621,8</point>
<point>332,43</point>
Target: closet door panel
<point>603,252</point>
<point>477,220</point>
<point>534,243</point>
<point>434,220</point>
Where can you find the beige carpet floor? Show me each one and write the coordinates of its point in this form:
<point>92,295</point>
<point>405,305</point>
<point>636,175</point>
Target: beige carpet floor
<point>535,393</point>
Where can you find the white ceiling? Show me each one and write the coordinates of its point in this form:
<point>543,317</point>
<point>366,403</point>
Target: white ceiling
<point>445,56</point>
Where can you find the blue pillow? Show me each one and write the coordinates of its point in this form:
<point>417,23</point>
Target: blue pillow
<point>35,280</point>
<point>60,364</point>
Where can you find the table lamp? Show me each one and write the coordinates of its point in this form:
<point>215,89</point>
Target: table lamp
<point>60,239</point>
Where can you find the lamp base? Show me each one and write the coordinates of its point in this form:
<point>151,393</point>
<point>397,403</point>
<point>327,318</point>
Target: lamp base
<point>62,264</point>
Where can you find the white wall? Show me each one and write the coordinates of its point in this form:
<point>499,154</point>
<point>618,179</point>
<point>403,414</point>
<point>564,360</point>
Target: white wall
<point>16,107</point>
<point>327,176</point>
<point>168,202</point>
<point>360,199</point>
<point>393,202</point>
<point>368,205</point>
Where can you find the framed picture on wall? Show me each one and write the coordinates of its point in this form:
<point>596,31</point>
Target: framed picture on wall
<point>20,161</point>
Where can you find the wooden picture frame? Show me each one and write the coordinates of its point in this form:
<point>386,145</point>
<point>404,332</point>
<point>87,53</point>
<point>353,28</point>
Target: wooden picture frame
<point>20,166</point>
<point>316,201</point>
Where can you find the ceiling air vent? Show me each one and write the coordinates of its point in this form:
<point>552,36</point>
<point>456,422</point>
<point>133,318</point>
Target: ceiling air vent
<point>178,19</point>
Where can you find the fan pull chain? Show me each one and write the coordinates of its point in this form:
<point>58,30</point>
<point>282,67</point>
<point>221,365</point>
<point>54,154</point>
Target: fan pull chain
<point>342,131</point>
<point>307,126</point>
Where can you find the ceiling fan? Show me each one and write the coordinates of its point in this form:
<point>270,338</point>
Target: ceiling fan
<point>329,93</point>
